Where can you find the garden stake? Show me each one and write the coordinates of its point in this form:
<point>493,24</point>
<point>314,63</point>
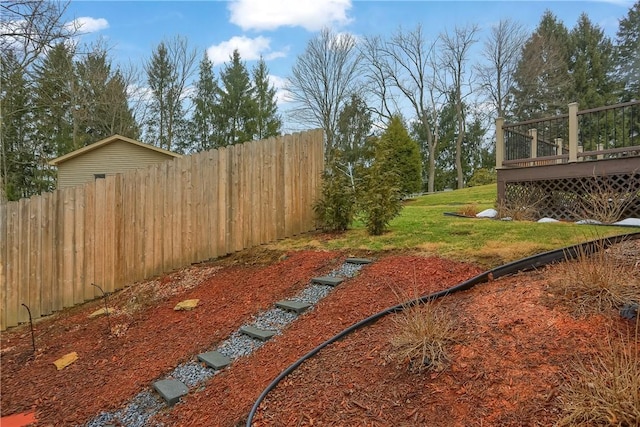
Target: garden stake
<point>106,305</point>
<point>33,337</point>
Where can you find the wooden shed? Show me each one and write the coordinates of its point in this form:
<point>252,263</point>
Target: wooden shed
<point>107,157</point>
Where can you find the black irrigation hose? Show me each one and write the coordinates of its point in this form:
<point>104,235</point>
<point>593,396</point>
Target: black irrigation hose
<point>524,264</point>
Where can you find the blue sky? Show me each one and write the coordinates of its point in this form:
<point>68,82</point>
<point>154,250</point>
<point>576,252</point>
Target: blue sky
<point>280,29</point>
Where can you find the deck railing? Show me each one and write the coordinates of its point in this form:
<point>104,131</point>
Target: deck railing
<point>593,134</point>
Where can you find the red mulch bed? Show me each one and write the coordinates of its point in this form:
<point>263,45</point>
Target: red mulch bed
<point>505,369</point>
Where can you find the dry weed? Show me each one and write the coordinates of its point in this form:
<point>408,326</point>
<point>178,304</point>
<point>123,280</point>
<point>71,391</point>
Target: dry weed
<point>469,210</point>
<point>422,333</point>
<point>606,200</point>
<point>605,390</point>
<point>521,204</point>
<point>596,281</point>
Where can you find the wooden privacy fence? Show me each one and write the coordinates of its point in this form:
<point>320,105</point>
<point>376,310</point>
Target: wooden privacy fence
<point>128,227</point>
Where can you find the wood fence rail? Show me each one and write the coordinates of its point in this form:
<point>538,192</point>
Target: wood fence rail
<point>128,227</point>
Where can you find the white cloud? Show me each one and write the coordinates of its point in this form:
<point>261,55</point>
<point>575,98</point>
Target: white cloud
<point>87,24</point>
<point>280,84</point>
<point>311,15</point>
<point>249,48</point>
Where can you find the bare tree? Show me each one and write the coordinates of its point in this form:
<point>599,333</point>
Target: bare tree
<point>322,81</point>
<point>501,53</point>
<point>405,65</point>
<point>29,27</point>
<point>453,57</point>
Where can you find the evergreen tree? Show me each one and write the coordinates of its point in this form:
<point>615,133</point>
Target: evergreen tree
<point>267,119</point>
<point>628,54</point>
<point>335,209</point>
<point>381,198</point>
<point>445,176</point>
<point>203,123</point>
<point>119,116</point>
<point>472,152</point>
<point>19,163</point>
<point>170,67</point>
<point>403,156</point>
<point>591,65</point>
<point>103,108</point>
<point>352,134</point>
<point>160,73</point>
<point>543,84</point>
<point>237,108</point>
<point>55,103</point>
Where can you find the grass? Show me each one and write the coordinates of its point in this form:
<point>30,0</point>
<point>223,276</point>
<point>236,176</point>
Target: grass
<point>423,227</point>
<point>421,335</point>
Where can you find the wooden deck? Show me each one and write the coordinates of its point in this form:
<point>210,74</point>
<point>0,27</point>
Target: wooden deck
<point>564,162</point>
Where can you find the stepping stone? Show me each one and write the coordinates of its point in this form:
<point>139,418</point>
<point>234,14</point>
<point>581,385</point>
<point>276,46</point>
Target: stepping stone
<point>214,359</point>
<point>171,390</point>
<point>295,306</point>
<point>327,280</point>
<point>358,261</point>
<point>260,334</point>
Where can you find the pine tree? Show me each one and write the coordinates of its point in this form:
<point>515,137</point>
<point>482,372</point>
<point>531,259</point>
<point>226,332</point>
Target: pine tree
<point>381,196</point>
<point>203,122</point>
<point>628,54</point>
<point>18,158</point>
<point>119,116</point>
<point>543,84</point>
<point>160,73</point>
<point>55,86</point>
<point>352,133</point>
<point>403,156</point>
<point>237,108</point>
<point>103,102</point>
<point>170,67</point>
<point>591,65</point>
<point>267,119</point>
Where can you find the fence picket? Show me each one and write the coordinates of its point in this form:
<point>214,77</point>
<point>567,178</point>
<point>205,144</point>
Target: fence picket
<point>12,264</point>
<point>89,240</point>
<point>78,243</point>
<point>46,253</point>
<point>100,230</point>
<point>3,265</point>
<point>68,236</point>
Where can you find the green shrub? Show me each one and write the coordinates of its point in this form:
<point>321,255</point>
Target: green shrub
<point>381,199</point>
<point>402,156</point>
<point>336,207</point>
<point>482,176</point>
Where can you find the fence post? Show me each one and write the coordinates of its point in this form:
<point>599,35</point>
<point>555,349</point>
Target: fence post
<point>600,148</point>
<point>499,142</point>
<point>573,132</point>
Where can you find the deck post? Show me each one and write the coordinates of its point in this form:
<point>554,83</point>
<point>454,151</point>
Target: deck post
<point>533,133</point>
<point>558,142</point>
<point>573,132</point>
<point>499,142</point>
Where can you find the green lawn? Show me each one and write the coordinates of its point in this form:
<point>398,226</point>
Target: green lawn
<point>422,226</point>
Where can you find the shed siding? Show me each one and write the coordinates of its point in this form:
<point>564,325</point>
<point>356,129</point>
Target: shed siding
<point>118,156</point>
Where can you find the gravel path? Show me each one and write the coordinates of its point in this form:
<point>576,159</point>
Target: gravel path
<point>147,403</point>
